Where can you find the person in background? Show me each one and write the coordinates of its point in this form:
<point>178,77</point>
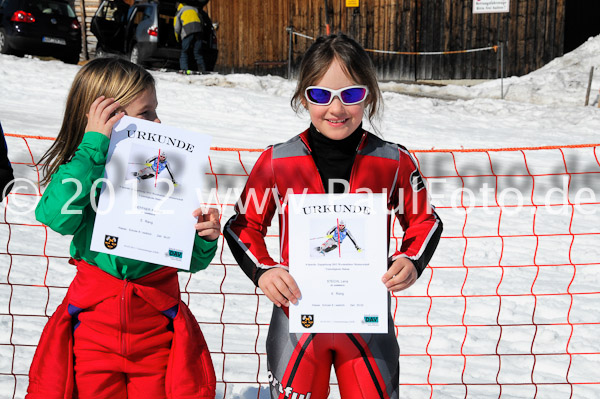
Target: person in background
<point>6,170</point>
<point>338,86</point>
<point>191,31</point>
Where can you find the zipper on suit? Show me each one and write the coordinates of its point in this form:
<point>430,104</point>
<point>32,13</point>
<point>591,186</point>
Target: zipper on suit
<point>354,167</point>
<point>123,314</point>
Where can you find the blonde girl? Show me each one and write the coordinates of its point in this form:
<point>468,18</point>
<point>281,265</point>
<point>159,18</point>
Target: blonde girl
<point>122,330</point>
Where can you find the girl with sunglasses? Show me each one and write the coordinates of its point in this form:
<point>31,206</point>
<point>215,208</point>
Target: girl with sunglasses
<point>338,86</point>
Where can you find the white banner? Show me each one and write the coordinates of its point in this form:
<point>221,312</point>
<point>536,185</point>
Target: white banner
<point>490,6</point>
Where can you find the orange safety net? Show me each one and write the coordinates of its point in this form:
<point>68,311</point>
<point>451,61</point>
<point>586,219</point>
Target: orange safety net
<point>507,306</point>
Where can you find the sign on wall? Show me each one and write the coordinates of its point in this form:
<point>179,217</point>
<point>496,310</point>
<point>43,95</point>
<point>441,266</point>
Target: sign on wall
<point>352,3</point>
<point>490,6</point>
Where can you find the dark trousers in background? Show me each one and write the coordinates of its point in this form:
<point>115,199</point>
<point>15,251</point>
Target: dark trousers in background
<point>191,50</point>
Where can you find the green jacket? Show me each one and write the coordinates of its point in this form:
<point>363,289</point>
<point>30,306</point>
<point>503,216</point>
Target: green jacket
<point>87,165</point>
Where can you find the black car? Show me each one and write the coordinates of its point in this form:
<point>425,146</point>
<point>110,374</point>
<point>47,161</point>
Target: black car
<point>40,27</point>
<point>144,33</point>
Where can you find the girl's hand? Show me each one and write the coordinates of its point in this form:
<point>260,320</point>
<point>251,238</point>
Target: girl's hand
<point>401,275</point>
<point>279,286</point>
<point>103,115</point>
<point>208,226</point>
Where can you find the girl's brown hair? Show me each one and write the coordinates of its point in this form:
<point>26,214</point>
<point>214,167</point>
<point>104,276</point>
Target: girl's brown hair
<point>352,57</point>
<point>109,77</point>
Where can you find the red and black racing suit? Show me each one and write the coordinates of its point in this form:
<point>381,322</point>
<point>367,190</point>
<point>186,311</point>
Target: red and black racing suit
<point>299,364</point>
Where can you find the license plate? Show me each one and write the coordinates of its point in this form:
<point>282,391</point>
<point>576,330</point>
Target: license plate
<point>54,40</point>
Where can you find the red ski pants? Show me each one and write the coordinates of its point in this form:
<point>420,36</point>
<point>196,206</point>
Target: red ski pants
<point>121,348</point>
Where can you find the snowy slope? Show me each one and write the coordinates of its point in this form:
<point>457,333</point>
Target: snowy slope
<point>541,109</point>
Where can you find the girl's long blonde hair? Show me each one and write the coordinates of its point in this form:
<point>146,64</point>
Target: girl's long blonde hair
<point>109,77</point>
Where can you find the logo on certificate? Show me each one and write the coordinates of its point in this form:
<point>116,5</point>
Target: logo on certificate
<point>175,253</point>
<point>371,319</point>
<point>307,320</point>
<point>110,242</point>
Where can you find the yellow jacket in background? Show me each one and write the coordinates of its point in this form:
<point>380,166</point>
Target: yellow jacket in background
<point>187,21</point>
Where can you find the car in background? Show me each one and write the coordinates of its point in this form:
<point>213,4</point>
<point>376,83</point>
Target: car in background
<point>144,33</point>
<point>42,27</point>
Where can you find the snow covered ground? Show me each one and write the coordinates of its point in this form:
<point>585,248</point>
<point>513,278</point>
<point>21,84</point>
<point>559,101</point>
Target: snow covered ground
<point>544,108</point>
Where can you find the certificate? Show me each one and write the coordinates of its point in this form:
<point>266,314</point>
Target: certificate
<point>337,255</point>
<point>150,188</point>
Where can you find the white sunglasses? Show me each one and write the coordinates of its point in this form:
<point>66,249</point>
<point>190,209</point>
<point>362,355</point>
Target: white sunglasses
<point>348,95</point>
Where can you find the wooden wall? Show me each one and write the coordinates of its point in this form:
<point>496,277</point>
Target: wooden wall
<point>533,31</point>
<point>252,35</point>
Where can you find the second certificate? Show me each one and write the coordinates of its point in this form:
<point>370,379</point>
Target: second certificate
<point>337,255</point>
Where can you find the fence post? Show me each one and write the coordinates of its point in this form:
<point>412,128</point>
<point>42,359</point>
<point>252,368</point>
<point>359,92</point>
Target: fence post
<point>290,29</point>
<point>86,55</point>
<point>498,60</point>
<point>327,27</point>
<point>589,87</point>
<point>502,70</point>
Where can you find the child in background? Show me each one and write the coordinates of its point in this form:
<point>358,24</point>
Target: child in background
<point>122,330</point>
<point>337,85</point>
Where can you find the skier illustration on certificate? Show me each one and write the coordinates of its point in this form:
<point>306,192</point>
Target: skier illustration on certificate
<point>335,237</point>
<point>144,168</point>
<point>154,166</point>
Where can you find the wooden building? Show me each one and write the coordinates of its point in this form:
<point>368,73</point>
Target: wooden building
<point>254,36</point>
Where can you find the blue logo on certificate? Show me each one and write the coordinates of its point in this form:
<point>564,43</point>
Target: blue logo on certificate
<point>174,253</point>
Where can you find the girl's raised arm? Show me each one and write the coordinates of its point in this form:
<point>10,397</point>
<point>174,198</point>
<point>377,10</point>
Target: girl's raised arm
<point>103,115</point>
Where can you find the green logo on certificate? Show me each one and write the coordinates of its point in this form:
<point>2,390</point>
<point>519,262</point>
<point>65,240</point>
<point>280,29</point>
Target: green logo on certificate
<point>307,320</point>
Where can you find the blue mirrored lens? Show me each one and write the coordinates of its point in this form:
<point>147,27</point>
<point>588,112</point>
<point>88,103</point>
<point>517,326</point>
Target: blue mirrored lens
<point>353,95</point>
<point>319,96</point>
